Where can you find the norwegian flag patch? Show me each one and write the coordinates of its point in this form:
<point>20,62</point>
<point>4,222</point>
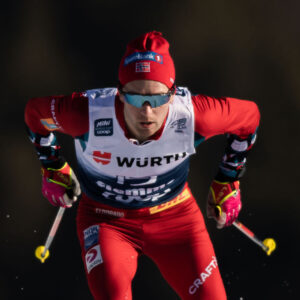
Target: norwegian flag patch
<point>142,67</point>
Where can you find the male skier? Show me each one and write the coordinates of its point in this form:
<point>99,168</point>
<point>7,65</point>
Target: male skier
<point>133,145</point>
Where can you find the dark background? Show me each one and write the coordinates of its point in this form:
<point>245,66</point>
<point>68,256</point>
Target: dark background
<point>242,49</point>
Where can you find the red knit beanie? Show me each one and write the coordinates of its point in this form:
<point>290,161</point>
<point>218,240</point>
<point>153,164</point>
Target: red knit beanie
<point>147,57</point>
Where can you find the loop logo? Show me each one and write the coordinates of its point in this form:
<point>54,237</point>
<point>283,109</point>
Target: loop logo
<point>103,127</point>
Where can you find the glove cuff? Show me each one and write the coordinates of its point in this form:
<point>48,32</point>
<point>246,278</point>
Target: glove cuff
<point>222,177</point>
<point>221,191</point>
<point>57,164</point>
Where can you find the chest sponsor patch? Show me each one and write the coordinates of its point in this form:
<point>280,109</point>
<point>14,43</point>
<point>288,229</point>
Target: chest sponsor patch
<point>103,127</point>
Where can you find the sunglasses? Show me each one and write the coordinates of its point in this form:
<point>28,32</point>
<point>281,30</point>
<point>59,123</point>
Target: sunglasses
<point>155,100</point>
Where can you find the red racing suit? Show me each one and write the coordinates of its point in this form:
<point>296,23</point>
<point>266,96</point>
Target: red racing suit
<point>170,231</point>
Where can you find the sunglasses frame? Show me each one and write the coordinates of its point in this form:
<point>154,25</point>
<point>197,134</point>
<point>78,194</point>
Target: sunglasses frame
<point>148,97</point>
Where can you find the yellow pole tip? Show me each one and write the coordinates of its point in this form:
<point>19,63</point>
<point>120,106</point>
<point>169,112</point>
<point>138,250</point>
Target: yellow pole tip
<point>270,244</point>
<point>39,251</point>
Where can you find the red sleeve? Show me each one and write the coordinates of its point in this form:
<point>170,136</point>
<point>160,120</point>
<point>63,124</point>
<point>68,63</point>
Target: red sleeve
<point>66,114</point>
<point>214,116</point>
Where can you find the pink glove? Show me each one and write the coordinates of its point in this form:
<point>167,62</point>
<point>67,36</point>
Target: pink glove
<point>60,186</point>
<point>224,202</point>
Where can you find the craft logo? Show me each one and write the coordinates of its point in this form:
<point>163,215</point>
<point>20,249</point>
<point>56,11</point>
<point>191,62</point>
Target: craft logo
<point>102,157</point>
<point>180,124</point>
<point>148,55</point>
<point>53,113</point>
<point>203,276</point>
<point>141,67</point>
<point>93,258</point>
<point>103,127</point>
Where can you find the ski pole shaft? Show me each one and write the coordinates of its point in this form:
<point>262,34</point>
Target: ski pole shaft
<point>42,252</point>
<point>53,229</point>
<point>268,244</point>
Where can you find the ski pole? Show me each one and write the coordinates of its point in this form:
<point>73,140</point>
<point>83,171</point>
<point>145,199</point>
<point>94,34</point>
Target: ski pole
<point>42,252</point>
<point>268,244</point>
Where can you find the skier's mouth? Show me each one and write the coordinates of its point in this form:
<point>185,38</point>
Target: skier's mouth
<point>146,124</point>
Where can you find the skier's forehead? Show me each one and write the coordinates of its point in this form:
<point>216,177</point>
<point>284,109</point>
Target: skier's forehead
<point>145,87</point>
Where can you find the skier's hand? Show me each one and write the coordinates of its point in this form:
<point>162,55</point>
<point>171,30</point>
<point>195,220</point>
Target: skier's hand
<point>224,202</point>
<point>60,186</point>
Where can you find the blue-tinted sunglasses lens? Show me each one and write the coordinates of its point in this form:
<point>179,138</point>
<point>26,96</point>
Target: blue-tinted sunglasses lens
<point>139,100</point>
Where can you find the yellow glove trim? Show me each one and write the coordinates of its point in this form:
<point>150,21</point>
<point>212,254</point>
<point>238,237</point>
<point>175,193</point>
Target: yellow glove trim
<point>51,169</point>
<point>225,198</point>
<point>57,182</point>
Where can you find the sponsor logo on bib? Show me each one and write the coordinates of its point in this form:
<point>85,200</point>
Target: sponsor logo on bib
<point>102,157</point>
<point>103,127</point>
